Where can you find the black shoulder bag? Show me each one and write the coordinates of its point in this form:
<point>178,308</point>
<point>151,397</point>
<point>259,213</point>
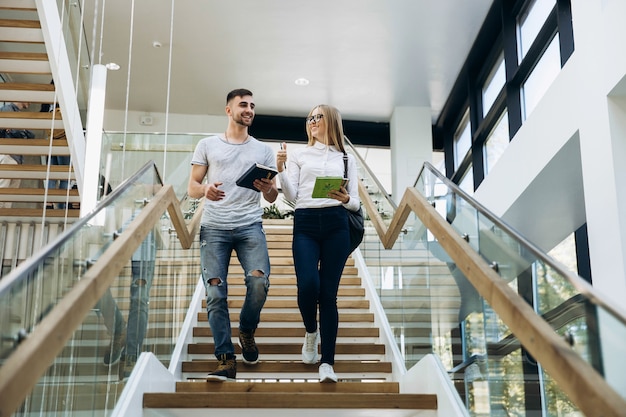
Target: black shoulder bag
<point>355,218</point>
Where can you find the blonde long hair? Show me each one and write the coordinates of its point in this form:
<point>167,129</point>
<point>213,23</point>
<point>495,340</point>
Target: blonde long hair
<point>334,126</point>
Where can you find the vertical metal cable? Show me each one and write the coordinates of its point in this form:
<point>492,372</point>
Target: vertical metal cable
<point>130,57</point>
<point>101,32</point>
<point>167,105</point>
<point>48,163</point>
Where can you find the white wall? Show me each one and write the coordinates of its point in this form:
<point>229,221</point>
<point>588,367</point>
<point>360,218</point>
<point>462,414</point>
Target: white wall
<point>410,129</point>
<point>115,121</point>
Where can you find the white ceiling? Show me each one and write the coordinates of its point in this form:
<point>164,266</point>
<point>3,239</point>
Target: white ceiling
<point>363,56</point>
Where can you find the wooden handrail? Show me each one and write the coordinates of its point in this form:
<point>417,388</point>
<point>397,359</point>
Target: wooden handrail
<point>579,380</point>
<point>50,336</point>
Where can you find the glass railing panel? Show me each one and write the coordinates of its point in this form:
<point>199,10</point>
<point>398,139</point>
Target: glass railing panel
<point>406,279</point>
<point>66,262</point>
<point>157,283</point>
<point>124,153</point>
<point>593,329</point>
<point>383,203</point>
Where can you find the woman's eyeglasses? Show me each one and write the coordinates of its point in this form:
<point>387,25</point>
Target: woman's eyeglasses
<point>315,118</point>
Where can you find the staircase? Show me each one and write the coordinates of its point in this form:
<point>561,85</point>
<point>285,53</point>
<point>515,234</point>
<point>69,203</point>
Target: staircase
<point>365,384</point>
<point>26,76</point>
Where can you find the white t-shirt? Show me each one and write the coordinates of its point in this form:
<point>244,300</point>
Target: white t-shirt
<point>226,162</point>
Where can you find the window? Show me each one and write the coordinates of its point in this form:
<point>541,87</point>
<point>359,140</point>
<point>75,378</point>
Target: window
<point>462,140</point>
<point>496,142</point>
<point>530,23</point>
<point>541,78</point>
<point>467,182</point>
<point>493,85</point>
<point>517,56</point>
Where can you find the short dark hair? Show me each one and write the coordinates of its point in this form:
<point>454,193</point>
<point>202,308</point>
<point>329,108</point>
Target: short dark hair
<point>239,92</point>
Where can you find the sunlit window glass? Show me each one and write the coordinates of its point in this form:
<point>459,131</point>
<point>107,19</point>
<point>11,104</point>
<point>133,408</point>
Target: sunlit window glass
<point>530,23</point>
<point>541,77</point>
<point>493,85</point>
<point>565,252</point>
<point>462,140</point>
<point>467,182</point>
<point>496,142</point>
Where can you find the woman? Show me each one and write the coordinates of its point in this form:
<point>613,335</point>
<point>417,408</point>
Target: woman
<point>321,237</point>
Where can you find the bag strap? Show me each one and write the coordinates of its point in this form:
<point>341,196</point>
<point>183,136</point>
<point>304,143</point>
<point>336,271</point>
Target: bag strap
<point>345,165</point>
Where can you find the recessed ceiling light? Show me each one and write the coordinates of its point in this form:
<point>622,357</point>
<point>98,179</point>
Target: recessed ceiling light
<point>302,81</point>
<point>112,66</point>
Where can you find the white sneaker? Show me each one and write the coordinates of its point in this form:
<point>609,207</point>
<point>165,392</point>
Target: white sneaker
<point>327,374</point>
<point>309,348</point>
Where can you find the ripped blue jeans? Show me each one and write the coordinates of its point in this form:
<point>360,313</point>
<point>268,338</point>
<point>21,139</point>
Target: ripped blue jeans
<point>216,247</point>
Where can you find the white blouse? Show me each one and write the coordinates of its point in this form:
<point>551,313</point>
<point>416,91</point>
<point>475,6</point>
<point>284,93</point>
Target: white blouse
<point>306,164</point>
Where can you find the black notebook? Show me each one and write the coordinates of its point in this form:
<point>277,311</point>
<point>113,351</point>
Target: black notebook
<point>256,171</point>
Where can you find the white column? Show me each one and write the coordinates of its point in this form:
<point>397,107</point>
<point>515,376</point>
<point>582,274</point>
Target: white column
<point>603,139</point>
<point>95,119</point>
<point>597,24</point>
<point>411,145</point>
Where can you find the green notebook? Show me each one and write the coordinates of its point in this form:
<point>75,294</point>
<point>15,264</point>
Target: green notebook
<point>324,185</point>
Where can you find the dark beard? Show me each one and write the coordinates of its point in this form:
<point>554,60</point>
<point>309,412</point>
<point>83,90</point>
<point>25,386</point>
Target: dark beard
<point>240,121</point>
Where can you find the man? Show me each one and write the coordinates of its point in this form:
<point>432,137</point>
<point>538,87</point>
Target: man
<point>232,221</point>
<point>13,159</point>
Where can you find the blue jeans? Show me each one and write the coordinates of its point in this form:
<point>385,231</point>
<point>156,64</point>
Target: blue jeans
<point>143,274</point>
<point>321,246</point>
<point>216,247</point>
<point>142,277</point>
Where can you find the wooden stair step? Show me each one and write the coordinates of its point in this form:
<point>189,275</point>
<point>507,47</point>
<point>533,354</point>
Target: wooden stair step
<point>278,231</point>
<point>271,303</point>
<point>304,400</point>
<point>36,195</point>
<point>283,282</point>
<point>18,5</point>
<point>37,172</point>
<point>288,387</point>
<point>292,292</point>
<point>24,63</point>
<point>286,367</point>
<point>30,120</point>
<point>21,30</point>
<point>292,348</point>
<point>33,146</point>
<point>296,317</point>
<point>279,238</point>
<point>35,213</point>
<point>20,23</point>
<point>293,332</point>
<point>282,270</point>
<point>278,245</point>
<point>27,92</point>
<point>283,259</point>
